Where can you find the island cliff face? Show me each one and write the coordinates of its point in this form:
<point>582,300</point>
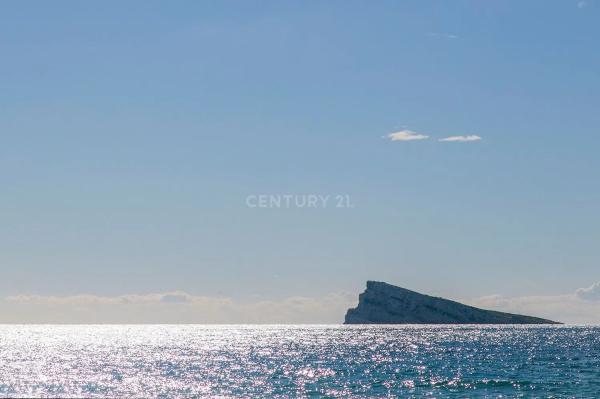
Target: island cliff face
<point>383,303</point>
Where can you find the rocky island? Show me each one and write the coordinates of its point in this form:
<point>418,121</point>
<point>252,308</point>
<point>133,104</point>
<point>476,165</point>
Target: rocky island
<point>383,303</point>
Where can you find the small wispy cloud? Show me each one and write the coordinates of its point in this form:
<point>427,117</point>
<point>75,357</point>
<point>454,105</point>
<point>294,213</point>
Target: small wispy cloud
<point>582,4</point>
<point>406,135</point>
<point>461,139</point>
<point>591,293</point>
<point>443,35</point>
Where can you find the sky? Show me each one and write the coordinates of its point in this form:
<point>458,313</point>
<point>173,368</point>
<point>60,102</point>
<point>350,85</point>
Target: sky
<point>149,148</point>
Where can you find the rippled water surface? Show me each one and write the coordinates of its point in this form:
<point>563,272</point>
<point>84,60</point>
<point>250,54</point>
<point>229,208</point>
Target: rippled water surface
<point>299,361</point>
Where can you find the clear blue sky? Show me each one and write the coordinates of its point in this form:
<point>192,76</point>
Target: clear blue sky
<point>132,133</point>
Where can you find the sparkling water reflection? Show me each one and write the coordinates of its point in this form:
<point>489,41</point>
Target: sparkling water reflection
<point>299,361</point>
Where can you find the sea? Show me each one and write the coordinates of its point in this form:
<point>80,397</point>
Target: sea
<point>307,361</point>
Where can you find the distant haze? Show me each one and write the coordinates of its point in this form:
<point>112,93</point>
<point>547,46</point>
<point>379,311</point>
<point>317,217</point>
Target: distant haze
<point>580,307</point>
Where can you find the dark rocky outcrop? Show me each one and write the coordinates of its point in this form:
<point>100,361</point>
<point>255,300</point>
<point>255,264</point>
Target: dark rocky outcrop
<point>383,303</point>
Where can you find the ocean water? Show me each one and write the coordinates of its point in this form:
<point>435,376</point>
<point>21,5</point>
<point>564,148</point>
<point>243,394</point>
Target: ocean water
<point>299,361</point>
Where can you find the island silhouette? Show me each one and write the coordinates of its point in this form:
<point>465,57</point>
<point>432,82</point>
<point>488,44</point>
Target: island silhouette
<point>383,303</point>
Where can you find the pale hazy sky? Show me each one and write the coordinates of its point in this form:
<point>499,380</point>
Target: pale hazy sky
<point>464,133</point>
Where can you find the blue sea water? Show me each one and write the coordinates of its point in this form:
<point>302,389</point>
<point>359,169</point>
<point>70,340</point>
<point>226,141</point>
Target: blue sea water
<point>299,361</point>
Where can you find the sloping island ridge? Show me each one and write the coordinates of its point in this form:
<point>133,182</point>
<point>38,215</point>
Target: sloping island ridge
<point>383,303</point>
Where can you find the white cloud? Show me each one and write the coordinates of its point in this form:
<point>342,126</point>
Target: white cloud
<point>172,307</point>
<point>580,307</point>
<point>406,135</point>
<point>461,139</point>
<point>591,293</point>
<point>443,35</point>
